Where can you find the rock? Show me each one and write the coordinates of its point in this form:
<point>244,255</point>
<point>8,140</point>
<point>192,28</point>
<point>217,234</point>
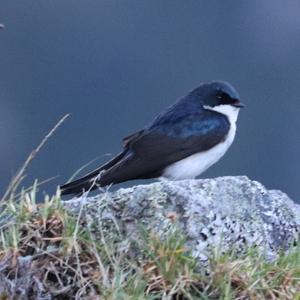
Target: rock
<point>226,213</point>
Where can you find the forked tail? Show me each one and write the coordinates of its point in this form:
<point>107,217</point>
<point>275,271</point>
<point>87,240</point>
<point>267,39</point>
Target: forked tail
<point>91,181</point>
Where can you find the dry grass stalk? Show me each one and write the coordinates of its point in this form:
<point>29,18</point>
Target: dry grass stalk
<point>15,182</point>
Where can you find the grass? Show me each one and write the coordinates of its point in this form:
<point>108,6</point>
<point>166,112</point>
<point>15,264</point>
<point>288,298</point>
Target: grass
<point>47,252</point>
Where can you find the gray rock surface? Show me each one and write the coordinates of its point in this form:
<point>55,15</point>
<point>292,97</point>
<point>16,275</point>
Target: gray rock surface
<point>226,213</point>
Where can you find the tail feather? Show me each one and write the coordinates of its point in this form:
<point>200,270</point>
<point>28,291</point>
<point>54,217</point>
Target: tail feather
<point>90,181</point>
<point>80,185</point>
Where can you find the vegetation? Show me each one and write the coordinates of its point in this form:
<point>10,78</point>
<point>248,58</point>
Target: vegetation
<point>47,252</point>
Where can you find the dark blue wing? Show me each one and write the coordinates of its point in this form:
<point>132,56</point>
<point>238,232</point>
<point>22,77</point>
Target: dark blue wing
<point>148,152</point>
<point>166,141</point>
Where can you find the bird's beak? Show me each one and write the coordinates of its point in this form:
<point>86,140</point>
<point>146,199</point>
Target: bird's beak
<point>239,104</point>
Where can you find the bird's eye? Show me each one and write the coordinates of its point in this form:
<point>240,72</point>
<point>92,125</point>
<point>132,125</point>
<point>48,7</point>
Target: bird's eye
<point>222,96</point>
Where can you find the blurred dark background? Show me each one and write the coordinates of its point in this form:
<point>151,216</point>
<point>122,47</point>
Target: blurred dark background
<point>115,64</point>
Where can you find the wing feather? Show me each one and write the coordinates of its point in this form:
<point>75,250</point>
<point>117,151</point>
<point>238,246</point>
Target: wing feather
<point>154,148</point>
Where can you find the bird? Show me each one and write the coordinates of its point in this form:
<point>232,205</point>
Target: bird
<point>180,143</point>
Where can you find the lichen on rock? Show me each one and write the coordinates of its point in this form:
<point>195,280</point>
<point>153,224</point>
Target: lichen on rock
<point>225,213</point>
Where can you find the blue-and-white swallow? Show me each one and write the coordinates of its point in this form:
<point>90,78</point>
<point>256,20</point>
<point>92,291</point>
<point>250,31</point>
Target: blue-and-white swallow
<point>180,143</point>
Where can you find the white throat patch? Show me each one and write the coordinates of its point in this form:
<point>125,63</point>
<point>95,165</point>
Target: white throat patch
<point>231,112</point>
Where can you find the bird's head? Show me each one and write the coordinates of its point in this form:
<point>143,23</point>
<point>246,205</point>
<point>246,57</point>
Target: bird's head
<point>219,96</point>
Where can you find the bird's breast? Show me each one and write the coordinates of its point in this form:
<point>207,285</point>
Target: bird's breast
<point>196,164</point>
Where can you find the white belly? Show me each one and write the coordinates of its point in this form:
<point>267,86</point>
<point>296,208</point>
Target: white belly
<point>196,164</point>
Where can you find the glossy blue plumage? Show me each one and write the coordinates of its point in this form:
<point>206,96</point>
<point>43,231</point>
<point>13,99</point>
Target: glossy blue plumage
<point>187,117</point>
